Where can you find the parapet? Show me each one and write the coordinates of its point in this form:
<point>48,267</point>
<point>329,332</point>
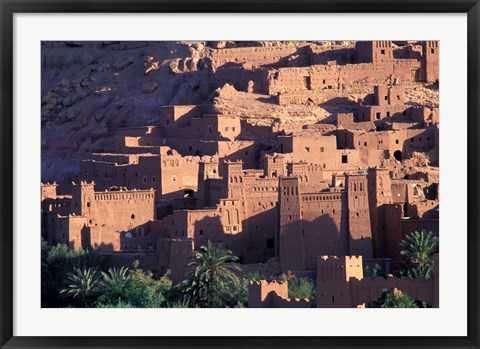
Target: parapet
<point>264,294</point>
<point>262,288</point>
<point>348,266</point>
<point>125,195</point>
<point>83,183</point>
<point>354,259</point>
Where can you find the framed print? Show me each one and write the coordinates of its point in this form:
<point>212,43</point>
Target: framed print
<point>211,174</point>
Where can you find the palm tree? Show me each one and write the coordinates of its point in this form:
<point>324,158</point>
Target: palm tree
<point>393,299</point>
<point>418,249</point>
<point>115,281</point>
<point>83,285</point>
<point>212,278</point>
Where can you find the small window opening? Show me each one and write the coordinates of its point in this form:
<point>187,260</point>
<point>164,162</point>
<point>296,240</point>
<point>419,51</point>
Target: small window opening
<point>307,82</point>
<point>270,243</point>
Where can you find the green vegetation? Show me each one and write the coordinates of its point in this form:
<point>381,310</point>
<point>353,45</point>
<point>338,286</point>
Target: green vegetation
<point>57,262</point>
<point>134,288</point>
<point>376,271</point>
<point>211,281</point>
<point>393,299</point>
<point>83,286</point>
<point>76,279</point>
<point>300,287</point>
<point>418,250</point>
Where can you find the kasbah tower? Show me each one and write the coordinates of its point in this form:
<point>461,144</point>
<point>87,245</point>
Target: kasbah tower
<point>314,158</point>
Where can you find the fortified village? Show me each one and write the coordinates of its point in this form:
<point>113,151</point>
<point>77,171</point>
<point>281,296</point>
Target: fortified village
<point>331,181</point>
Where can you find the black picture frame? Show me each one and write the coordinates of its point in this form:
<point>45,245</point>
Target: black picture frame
<point>7,178</point>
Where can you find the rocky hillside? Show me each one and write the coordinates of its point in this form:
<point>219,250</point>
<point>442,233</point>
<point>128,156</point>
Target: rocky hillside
<point>89,88</point>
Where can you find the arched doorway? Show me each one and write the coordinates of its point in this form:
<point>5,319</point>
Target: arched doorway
<point>397,155</point>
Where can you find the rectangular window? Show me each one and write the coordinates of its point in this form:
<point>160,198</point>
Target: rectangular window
<point>378,116</point>
<point>344,159</point>
<point>270,243</point>
<point>307,82</point>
